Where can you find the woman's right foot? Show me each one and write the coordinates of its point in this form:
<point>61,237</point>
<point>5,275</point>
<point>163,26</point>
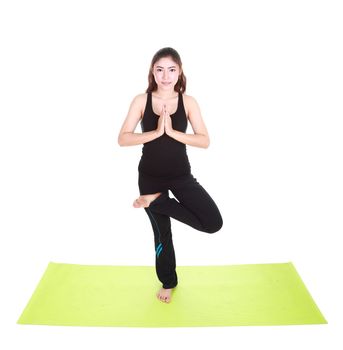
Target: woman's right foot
<point>145,200</point>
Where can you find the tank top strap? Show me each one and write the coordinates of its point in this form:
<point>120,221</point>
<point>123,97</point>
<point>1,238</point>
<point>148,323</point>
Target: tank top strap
<point>149,101</point>
<point>181,106</point>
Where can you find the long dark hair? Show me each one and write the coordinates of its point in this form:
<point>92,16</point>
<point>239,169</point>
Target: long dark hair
<point>180,86</point>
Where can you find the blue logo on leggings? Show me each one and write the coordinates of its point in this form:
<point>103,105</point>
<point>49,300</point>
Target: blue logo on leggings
<point>159,249</point>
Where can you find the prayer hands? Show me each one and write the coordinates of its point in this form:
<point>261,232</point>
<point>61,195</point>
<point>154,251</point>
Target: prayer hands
<point>168,127</point>
<point>164,122</point>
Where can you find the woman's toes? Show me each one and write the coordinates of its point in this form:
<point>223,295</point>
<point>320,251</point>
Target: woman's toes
<point>139,202</point>
<point>145,200</point>
<point>164,295</point>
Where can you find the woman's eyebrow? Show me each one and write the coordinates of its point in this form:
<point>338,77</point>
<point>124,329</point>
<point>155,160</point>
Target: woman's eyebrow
<point>163,67</point>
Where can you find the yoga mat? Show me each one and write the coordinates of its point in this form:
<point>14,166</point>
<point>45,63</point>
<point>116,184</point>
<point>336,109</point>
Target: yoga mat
<point>125,296</point>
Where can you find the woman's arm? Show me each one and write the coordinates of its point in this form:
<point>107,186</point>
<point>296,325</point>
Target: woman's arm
<point>126,136</point>
<point>200,138</point>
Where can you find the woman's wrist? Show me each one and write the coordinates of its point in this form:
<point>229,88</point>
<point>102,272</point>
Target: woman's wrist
<point>170,132</point>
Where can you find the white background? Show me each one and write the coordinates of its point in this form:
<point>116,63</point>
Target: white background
<point>268,78</point>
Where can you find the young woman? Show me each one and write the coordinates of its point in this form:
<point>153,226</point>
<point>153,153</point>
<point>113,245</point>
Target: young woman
<point>164,111</point>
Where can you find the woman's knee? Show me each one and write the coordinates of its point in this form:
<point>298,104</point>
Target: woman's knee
<point>215,225</point>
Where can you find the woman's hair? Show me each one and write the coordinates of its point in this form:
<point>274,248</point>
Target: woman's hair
<point>180,86</point>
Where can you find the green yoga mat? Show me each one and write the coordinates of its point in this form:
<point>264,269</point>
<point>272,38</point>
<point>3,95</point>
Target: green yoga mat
<point>125,296</point>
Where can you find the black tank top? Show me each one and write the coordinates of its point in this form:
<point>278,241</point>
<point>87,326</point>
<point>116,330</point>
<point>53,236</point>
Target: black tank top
<point>164,156</point>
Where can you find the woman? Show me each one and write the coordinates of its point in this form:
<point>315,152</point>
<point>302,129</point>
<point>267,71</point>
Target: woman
<point>163,112</point>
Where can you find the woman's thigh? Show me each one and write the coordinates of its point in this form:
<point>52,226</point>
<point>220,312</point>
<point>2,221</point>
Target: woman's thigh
<point>195,198</point>
<point>149,185</point>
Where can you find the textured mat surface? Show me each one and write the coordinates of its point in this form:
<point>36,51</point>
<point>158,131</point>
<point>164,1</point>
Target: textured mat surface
<point>125,296</point>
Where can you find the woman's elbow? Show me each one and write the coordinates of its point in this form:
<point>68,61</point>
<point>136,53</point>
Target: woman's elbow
<point>207,142</point>
<point>121,140</point>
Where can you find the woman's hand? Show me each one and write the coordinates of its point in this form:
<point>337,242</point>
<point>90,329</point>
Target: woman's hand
<point>160,124</point>
<point>167,122</point>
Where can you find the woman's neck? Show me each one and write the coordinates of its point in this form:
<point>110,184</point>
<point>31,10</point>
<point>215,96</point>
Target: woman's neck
<point>165,95</point>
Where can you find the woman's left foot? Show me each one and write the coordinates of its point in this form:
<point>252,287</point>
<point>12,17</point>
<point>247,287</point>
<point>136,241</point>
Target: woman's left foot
<point>164,295</point>
<point>145,200</point>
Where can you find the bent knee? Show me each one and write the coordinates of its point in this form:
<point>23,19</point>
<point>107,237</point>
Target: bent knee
<point>215,226</point>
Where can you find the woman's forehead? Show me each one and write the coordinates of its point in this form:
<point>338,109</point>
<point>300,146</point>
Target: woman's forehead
<point>166,62</point>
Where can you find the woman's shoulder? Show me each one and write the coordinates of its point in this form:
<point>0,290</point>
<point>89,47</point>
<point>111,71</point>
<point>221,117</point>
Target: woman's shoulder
<point>140,97</point>
<point>189,99</point>
<point>140,100</point>
<point>190,103</point>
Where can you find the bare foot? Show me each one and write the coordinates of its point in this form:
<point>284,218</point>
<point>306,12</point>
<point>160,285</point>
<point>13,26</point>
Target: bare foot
<point>164,295</point>
<point>145,200</point>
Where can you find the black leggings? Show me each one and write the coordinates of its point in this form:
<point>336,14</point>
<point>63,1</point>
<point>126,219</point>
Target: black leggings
<point>193,206</point>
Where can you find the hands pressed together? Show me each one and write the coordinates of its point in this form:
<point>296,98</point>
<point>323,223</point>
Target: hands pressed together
<point>164,123</point>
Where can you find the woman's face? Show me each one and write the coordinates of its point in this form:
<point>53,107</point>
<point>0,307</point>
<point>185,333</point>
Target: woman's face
<point>166,73</point>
